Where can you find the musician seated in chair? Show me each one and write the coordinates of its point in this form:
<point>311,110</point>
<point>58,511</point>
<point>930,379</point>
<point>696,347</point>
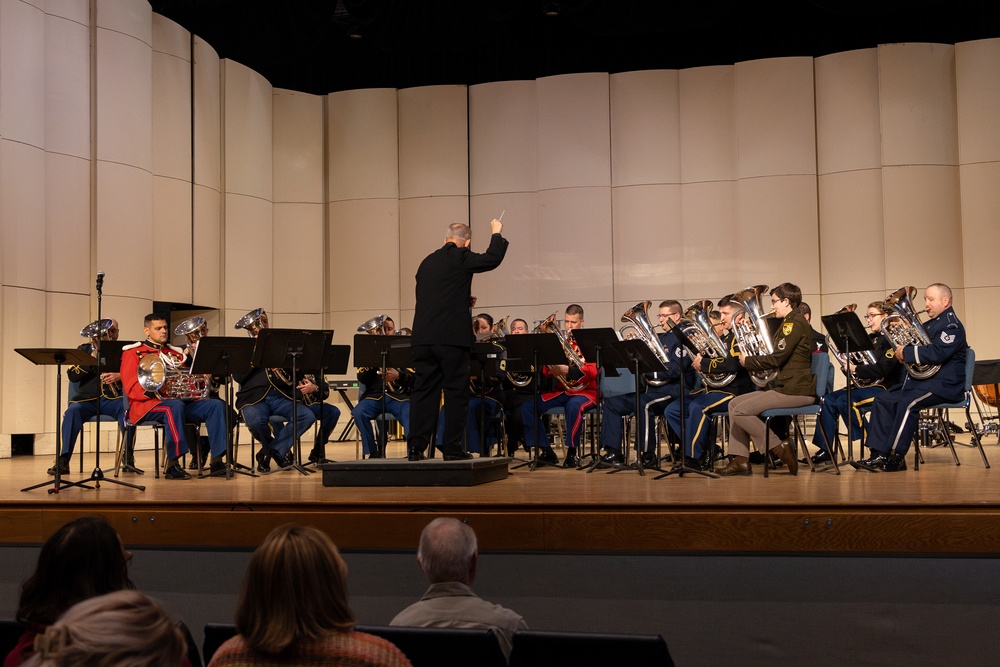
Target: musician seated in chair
<point>660,389</point>
<point>313,393</point>
<point>724,378</point>
<point>265,392</point>
<point>578,392</point>
<point>146,405</point>
<point>516,392</point>
<point>83,406</point>
<point>482,324</point>
<point>369,407</point>
<point>870,380</point>
<point>895,414</point>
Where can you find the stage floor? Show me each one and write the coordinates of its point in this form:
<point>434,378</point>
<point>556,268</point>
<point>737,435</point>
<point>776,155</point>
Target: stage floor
<point>940,509</point>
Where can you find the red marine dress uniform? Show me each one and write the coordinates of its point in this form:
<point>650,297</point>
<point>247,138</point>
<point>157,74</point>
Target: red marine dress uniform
<point>147,405</point>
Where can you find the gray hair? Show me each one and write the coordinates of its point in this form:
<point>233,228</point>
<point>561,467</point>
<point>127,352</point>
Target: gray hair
<point>447,547</point>
<point>459,231</point>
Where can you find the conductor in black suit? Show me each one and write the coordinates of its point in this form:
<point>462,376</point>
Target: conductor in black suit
<point>442,338</point>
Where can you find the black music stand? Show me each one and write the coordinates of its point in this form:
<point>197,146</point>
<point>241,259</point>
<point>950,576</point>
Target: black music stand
<point>224,355</point>
<point>335,358</point>
<point>57,357</point>
<point>680,468</point>
<point>847,335</point>
<point>541,348</point>
<point>603,346</point>
<point>637,355</point>
<point>111,361</point>
<point>384,352</point>
<point>484,362</point>
<point>275,348</point>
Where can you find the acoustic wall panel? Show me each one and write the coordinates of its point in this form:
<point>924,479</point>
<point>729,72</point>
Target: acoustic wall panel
<point>513,282</point>
<point>363,151</point>
<point>22,73</point>
<point>917,98</point>
<point>852,246</point>
<point>124,96</point>
<point>977,80</point>
<point>172,234</point>
<point>22,214</point>
<point>65,316</point>
<point>645,128</point>
<point>847,112</point>
<point>247,123</point>
<point>980,233</point>
<point>23,310</point>
<point>363,255</point>
<point>299,271</point>
<point>982,319</point>
<point>423,225</point>
<point>171,102</point>
<point>126,240</point>
<point>503,137</point>
<point>67,224</point>
<point>207,116</point>
<point>67,82</point>
<point>708,247</point>
<point>647,242</point>
<point>433,142</point>
<point>298,149</point>
<point>776,117</point>
<point>207,252</point>
<point>708,134</point>
<point>129,17</point>
<point>249,255</point>
<point>574,143</point>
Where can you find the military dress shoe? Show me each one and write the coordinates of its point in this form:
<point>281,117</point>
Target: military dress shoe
<point>174,471</point>
<point>894,463</point>
<point>217,465</point>
<point>736,468</point>
<point>612,457</point>
<point>318,457</point>
<point>546,455</point>
<point>263,460</point>
<point>822,456</point>
<point>874,463</point>
<point>693,463</point>
<point>62,465</point>
<point>456,456</point>
<point>571,460</point>
<point>283,460</point>
<point>649,459</point>
<point>414,455</point>
<point>784,452</point>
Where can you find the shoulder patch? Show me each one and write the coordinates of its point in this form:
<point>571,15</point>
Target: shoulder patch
<point>946,338</point>
<point>786,328</point>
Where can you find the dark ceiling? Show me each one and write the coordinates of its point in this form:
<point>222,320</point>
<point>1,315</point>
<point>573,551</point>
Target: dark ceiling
<point>306,45</point>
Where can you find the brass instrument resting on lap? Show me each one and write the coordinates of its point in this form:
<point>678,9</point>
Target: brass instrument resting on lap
<point>639,327</point>
<point>167,378</point>
<point>902,327</point>
<point>255,321</point>
<point>98,330</point>
<point>572,356</point>
<point>866,357</point>
<point>376,327</point>
<point>750,328</point>
<point>697,327</point>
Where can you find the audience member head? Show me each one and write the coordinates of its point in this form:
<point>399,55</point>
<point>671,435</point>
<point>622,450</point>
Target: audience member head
<point>83,559</point>
<point>294,589</point>
<point>120,629</point>
<point>448,551</point>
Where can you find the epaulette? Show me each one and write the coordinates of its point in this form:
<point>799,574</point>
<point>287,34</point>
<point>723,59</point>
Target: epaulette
<point>133,346</point>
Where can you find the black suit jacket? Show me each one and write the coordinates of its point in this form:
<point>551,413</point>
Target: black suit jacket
<point>444,286</point>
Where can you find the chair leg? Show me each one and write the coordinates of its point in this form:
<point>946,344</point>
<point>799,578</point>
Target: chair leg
<point>975,435</point>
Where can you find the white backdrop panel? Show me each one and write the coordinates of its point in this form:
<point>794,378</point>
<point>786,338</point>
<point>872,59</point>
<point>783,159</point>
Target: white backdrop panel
<point>126,241</point>
<point>130,17</point>
<point>208,258</point>
<point>980,201</point>
<point>423,224</point>
<point>775,103</point>
<point>67,223</point>
<point>708,124</point>
<point>981,318</point>
<point>847,111</point>
<point>710,229</point>
<point>574,142</point>
<point>23,382</point>
<point>363,155</point>
<point>298,258</point>
<point>298,147</point>
<point>249,257</point>
<point>513,282</point>
<point>22,73</point>
<point>171,103</point>
<point>503,131</point>
<point>917,93</point>
<point>22,214</point>
<point>364,254</point>
<point>977,69</point>
<point>645,128</point>
<point>124,97</point>
<point>433,141</point>
<point>852,248</point>
<point>646,233</point>
<point>67,86</point>
<point>207,116</point>
<point>171,257</point>
<point>575,245</point>
<point>247,125</point>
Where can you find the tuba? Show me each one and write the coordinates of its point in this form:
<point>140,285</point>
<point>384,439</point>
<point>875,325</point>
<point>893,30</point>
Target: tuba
<point>902,327</point>
<point>99,330</point>
<point>866,357</point>
<point>376,327</point>
<point>193,329</point>
<point>572,356</point>
<point>254,322</point>
<point>750,328</point>
<point>698,328</point>
<point>638,326</point>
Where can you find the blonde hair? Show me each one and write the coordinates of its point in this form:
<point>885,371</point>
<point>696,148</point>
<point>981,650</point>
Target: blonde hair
<point>295,588</point>
<point>120,629</point>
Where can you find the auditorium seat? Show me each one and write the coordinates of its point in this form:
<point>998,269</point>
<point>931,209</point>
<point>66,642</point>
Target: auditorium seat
<point>545,649</point>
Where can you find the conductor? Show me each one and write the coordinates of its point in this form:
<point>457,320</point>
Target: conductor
<point>442,338</point>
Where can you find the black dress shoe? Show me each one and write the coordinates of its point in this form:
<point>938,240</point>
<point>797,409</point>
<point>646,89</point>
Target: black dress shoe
<point>874,463</point>
<point>894,463</point>
<point>217,465</point>
<point>458,455</point>
<point>548,456</point>
<point>649,460</point>
<point>318,457</point>
<point>612,457</point>
<point>283,460</point>
<point>263,460</point>
<point>176,472</point>
<point>822,456</point>
<point>571,460</point>
<point>693,463</point>
<point>413,455</point>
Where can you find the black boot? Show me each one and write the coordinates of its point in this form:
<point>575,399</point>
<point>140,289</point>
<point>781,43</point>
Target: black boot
<point>62,465</point>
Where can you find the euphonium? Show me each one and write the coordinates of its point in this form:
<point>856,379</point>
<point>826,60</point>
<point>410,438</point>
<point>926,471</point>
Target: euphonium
<point>867,357</point>
<point>698,328</point>
<point>96,331</point>
<point>194,329</point>
<point>638,326</point>
<point>572,356</point>
<point>376,327</point>
<point>750,328</point>
<point>254,322</point>
<point>166,377</point>
<point>902,327</point>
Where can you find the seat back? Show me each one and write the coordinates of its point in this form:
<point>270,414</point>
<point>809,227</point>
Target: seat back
<point>822,368</point>
<point>10,634</point>
<point>544,649</point>
<point>216,634</point>
<point>970,370</point>
<point>618,386</point>
<point>442,647</point>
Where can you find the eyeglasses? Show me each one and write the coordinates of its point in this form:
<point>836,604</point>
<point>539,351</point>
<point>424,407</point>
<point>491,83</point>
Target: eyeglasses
<point>868,316</point>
